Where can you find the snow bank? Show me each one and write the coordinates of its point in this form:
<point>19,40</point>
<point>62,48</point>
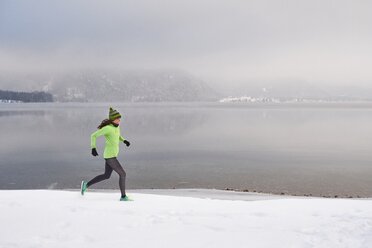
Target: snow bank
<point>65,219</point>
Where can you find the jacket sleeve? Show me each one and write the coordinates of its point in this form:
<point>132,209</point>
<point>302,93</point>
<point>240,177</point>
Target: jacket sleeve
<point>96,134</point>
<point>121,138</point>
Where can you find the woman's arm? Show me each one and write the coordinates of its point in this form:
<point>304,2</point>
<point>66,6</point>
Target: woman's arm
<point>96,134</point>
<point>126,142</point>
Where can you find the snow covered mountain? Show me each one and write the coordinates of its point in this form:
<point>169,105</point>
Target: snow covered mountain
<point>120,86</point>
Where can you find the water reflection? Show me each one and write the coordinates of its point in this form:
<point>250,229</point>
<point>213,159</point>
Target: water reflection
<point>7,113</point>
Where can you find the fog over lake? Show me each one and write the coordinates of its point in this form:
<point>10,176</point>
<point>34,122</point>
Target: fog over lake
<point>293,148</point>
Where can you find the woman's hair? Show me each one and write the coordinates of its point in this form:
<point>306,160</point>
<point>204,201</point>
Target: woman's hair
<point>104,123</point>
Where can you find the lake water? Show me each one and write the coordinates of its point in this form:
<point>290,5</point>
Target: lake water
<point>293,149</point>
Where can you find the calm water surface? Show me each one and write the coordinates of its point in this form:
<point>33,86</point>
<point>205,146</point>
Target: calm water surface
<point>295,149</point>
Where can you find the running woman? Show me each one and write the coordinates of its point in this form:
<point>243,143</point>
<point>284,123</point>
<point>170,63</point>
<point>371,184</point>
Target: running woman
<point>111,130</point>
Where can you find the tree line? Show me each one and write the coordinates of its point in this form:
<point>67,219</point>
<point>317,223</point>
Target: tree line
<point>35,96</point>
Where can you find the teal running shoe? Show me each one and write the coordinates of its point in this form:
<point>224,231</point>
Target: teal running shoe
<point>125,198</point>
<point>83,187</point>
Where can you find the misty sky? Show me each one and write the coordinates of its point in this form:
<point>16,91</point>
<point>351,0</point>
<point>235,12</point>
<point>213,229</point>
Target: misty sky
<point>316,41</point>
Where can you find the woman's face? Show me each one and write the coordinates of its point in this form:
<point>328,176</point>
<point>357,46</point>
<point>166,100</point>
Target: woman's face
<point>116,121</point>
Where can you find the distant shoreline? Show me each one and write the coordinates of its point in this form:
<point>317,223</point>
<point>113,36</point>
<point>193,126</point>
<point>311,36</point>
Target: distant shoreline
<point>206,104</point>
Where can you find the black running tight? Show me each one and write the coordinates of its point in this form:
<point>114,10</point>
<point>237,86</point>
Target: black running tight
<point>110,165</point>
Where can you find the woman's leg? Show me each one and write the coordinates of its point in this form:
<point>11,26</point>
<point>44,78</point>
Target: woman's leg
<point>99,178</point>
<point>116,166</point>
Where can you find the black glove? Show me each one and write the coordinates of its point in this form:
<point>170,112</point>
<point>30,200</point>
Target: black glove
<point>126,142</point>
<point>94,152</point>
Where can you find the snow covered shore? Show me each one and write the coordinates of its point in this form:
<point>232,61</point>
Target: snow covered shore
<point>46,218</point>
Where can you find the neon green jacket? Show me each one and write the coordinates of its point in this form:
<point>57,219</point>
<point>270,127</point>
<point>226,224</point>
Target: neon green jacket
<point>113,137</point>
